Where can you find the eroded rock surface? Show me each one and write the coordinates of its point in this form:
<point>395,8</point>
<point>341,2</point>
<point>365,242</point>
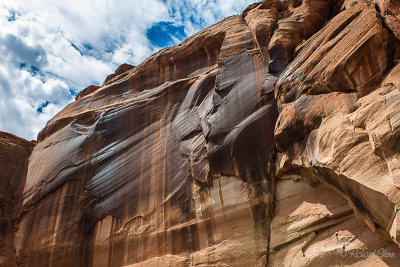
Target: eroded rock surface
<point>338,128</point>
<point>14,155</point>
<point>165,163</point>
<point>390,11</point>
<point>270,138</point>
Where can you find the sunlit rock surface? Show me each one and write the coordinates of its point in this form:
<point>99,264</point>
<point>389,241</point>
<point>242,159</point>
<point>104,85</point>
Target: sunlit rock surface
<point>270,138</point>
<point>166,162</point>
<point>338,129</point>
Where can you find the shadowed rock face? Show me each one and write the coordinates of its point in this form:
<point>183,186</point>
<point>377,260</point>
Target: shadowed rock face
<point>14,155</point>
<point>390,11</point>
<point>270,138</point>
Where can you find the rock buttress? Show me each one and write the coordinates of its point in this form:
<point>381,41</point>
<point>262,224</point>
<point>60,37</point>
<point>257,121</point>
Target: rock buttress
<point>14,155</point>
<point>337,137</point>
<point>269,138</point>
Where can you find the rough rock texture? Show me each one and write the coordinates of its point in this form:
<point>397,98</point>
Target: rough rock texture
<point>339,128</point>
<point>315,226</point>
<point>270,138</point>
<point>14,155</point>
<point>390,10</point>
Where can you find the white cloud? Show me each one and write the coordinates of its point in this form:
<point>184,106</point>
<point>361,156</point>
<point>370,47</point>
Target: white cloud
<point>51,47</point>
<point>195,15</point>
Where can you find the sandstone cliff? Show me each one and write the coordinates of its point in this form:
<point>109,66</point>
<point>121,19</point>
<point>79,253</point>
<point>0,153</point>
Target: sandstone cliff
<point>271,138</point>
<point>14,155</point>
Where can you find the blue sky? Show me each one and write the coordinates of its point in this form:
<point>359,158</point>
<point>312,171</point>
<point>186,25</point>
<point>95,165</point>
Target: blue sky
<point>52,49</point>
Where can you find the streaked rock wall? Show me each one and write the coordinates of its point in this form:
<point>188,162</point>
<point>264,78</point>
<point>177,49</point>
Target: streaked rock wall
<point>166,162</point>
<point>270,138</point>
<point>14,155</point>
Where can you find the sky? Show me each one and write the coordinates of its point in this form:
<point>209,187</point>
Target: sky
<point>52,49</point>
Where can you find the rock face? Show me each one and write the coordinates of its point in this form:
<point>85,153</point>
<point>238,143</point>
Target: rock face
<point>390,11</point>
<point>165,163</point>
<point>270,138</point>
<point>14,155</point>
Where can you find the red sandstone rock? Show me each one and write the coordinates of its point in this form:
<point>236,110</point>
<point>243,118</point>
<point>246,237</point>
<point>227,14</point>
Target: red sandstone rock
<point>119,73</point>
<point>390,10</point>
<point>184,160</point>
<point>294,25</point>
<point>142,179</point>
<point>87,91</point>
<point>339,57</point>
<point>14,153</point>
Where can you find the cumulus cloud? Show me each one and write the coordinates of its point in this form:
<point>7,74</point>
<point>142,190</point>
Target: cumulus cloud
<point>53,49</point>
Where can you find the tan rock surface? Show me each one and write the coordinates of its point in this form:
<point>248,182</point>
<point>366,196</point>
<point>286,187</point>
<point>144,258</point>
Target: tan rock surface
<point>315,226</point>
<point>351,53</point>
<point>344,112</point>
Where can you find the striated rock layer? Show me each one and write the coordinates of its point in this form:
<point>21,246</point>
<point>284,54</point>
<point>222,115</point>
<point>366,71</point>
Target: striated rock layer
<point>14,155</point>
<point>165,162</point>
<point>338,129</point>
<point>270,138</point>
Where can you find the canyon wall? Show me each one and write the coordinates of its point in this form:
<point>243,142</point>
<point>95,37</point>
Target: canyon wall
<point>14,156</point>
<point>271,138</point>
